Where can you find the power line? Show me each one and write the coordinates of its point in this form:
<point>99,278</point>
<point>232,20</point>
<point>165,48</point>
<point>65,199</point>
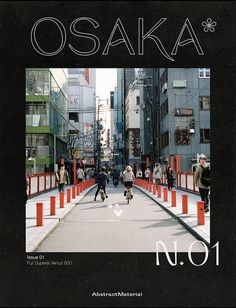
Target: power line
<point>56,109</point>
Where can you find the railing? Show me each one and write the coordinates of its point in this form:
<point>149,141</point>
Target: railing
<point>40,183</point>
<point>185,180</point>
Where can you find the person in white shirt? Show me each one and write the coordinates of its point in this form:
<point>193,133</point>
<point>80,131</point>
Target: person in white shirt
<point>157,173</point>
<point>147,174</point>
<point>139,174</point>
<point>128,178</point>
<point>80,175</point>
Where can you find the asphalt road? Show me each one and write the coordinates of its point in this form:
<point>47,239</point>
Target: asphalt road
<point>115,226</point>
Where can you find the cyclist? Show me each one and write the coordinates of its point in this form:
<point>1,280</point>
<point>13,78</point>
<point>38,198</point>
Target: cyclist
<point>102,181</point>
<point>128,178</point>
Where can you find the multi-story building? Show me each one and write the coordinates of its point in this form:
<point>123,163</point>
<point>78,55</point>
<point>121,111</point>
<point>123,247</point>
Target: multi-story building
<point>184,97</point>
<point>46,118</point>
<point>125,77</point>
<point>147,81</point>
<point>82,114</point>
<point>132,115</point>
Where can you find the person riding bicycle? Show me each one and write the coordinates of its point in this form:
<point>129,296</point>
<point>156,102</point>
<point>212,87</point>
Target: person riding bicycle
<point>128,178</point>
<point>115,176</point>
<point>102,181</point>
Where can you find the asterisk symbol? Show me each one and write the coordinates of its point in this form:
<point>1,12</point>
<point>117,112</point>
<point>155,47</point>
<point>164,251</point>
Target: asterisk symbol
<point>209,25</point>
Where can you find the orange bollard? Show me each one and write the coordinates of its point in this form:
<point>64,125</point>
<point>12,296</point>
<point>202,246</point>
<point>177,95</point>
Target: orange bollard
<point>39,214</point>
<point>200,213</point>
<point>146,185</point>
<point>158,191</point>
<point>154,191</point>
<point>150,187</point>
<point>73,192</point>
<point>62,201</point>
<point>82,186</point>
<point>52,205</point>
<point>185,204</point>
<point>173,198</point>
<point>165,194</point>
<point>77,189</point>
<point>68,195</point>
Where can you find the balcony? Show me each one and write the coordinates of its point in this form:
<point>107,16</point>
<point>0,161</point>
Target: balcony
<point>37,120</point>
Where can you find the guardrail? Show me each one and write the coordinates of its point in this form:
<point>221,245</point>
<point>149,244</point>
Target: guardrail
<point>40,183</point>
<point>185,180</point>
<point>64,198</point>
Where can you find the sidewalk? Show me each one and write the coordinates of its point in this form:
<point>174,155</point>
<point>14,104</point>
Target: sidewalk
<point>190,220</point>
<point>36,234</point>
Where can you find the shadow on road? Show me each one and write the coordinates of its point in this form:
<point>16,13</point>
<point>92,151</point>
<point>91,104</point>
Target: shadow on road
<point>162,224</point>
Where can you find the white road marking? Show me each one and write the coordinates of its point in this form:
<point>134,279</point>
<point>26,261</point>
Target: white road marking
<point>118,213</point>
<point>100,220</point>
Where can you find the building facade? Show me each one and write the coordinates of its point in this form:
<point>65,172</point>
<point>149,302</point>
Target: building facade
<point>132,114</point>
<point>46,118</point>
<point>82,114</point>
<point>184,114</point>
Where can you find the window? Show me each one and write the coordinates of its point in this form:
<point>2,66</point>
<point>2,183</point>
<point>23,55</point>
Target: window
<point>204,102</point>
<point>205,135</point>
<point>73,116</point>
<point>181,136</point>
<point>164,78</point>
<point>165,139</point>
<point>137,100</point>
<point>36,108</point>
<point>164,109</point>
<point>32,140</point>
<point>37,82</point>
<point>204,73</point>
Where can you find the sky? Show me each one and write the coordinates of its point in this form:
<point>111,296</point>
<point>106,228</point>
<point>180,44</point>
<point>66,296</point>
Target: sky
<point>106,81</point>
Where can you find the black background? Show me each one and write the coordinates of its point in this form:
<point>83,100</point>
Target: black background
<point>162,286</point>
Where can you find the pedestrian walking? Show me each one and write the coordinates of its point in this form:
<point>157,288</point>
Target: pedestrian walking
<point>121,176</point>
<point>62,177</point>
<point>157,174</point>
<point>115,177</point>
<point>139,174</point>
<point>80,175</point>
<point>170,179</point>
<point>202,180</point>
<point>147,173</point>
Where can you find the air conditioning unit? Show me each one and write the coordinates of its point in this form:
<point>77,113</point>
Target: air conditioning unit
<point>164,87</point>
<point>179,83</point>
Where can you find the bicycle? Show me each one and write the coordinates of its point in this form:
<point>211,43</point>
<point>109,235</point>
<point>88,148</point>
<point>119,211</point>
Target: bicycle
<point>102,194</point>
<point>128,194</point>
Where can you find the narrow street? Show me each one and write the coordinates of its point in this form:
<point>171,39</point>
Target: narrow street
<point>115,226</point>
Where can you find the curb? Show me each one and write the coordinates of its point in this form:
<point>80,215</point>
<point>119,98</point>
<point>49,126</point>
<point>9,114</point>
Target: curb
<point>57,221</point>
<point>187,226</point>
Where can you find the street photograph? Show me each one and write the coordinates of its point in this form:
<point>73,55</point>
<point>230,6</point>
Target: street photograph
<point>117,160</point>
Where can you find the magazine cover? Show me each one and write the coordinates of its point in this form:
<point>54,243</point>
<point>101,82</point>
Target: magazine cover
<point>117,145</point>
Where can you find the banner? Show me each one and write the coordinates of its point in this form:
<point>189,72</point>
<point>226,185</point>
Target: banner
<point>88,138</point>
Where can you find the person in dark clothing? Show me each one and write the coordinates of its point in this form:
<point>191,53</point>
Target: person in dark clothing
<point>115,176</point>
<point>203,189</point>
<point>102,181</point>
<point>170,179</point>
